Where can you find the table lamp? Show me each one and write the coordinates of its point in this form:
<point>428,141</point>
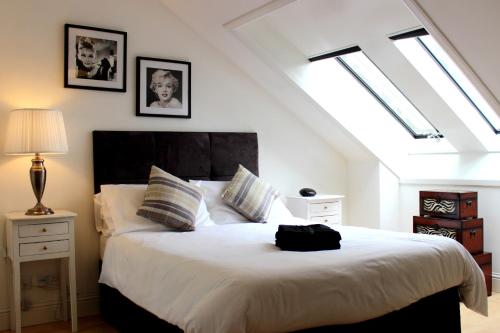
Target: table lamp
<point>36,131</point>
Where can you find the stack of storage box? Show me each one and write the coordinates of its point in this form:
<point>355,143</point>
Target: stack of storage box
<point>454,215</point>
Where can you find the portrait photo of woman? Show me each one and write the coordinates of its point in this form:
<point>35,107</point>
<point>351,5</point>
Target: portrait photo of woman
<point>163,88</point>
<point>95,58</point>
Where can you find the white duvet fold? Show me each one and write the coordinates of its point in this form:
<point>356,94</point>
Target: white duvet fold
<point>231,278</point>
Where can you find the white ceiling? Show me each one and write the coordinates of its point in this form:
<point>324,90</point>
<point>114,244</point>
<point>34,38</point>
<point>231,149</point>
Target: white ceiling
<point>472,28</point>
<point>319,26</point>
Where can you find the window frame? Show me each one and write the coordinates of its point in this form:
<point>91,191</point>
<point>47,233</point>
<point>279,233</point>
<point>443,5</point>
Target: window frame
<point>385,105</point>
<point>422,32</point>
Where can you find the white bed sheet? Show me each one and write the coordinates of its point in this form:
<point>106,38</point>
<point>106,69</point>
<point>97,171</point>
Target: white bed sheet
<point>231,278</point>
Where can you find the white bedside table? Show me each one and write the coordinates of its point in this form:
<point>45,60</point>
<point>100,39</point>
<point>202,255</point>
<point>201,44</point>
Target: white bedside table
<point>31,238</point>
<point>319,209</point>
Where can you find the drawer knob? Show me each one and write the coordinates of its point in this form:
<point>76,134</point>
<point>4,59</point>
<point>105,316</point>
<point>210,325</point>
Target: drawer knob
<point>44,247</point>
<point>44,230</point>
<point>326,207</point>
<point>326,220</point>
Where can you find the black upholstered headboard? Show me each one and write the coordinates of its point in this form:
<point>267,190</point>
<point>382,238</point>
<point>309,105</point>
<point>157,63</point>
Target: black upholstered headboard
<point>126,157</point>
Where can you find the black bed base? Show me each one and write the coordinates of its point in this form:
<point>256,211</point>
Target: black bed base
<point>437,313</point>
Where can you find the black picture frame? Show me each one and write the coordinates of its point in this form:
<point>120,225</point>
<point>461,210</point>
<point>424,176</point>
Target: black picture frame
<point>163,88</point>
<point>95,58</point>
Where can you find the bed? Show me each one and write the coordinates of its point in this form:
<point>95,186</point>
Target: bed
<point>274,291</point>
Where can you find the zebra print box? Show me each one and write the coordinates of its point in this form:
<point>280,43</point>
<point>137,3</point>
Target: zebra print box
<point>468,232</point>
<point>456,205</point>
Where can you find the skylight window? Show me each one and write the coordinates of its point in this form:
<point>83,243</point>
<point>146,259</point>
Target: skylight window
<point>365,71</point>
<point>422,50</point>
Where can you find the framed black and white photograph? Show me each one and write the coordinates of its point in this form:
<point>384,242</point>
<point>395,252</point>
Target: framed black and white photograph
<point>95,58</point>
<point>163,88</point>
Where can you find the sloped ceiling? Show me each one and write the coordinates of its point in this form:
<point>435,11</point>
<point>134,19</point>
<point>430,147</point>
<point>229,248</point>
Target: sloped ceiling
<point>208,19</point>
<point>319,26</point>
<point>307,28</point>
<point>472,27</point>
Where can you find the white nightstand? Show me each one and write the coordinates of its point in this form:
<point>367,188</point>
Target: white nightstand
<point>319,209</point>
<point>31,238</point>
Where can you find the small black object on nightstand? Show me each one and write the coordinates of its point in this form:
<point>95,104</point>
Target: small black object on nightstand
<point>307,192</point>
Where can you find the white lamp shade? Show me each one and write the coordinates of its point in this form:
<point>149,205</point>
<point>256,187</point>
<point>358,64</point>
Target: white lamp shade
<point>36,131</point>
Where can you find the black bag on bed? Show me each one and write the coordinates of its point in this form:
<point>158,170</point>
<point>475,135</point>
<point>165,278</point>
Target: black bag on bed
<point>312,237</point>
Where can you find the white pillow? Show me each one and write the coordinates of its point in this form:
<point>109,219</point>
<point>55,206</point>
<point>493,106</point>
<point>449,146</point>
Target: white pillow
<point>119,207</point>
<point>279,212</point>
<point>202,216</point>
<point>219,211</point>
<point>119,204</point>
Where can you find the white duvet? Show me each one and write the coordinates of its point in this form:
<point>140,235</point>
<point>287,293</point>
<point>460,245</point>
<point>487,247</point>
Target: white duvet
<point>231,278</point>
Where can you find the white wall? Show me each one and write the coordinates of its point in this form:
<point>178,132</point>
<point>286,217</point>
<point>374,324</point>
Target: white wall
<point>223,99</point>
<point>389,199</point>
<point>363,207</point>
<point>373,192</point>
<point>488,199</point>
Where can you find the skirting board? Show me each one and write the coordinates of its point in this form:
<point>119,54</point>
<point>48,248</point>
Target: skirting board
<point>46,313</point>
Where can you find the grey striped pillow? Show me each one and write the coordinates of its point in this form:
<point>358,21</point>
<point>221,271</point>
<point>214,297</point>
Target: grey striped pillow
<point>170,201</point>
<point>249,195</point>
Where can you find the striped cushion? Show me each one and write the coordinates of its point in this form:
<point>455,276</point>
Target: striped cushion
<point>170,201</point>
<point>249,195</point>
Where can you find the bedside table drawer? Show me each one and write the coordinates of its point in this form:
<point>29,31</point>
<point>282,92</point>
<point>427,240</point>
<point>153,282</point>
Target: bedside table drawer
<point>324,207</point>
<point>43,229</point>
<point>334,219</point>
<point>29,249</point>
